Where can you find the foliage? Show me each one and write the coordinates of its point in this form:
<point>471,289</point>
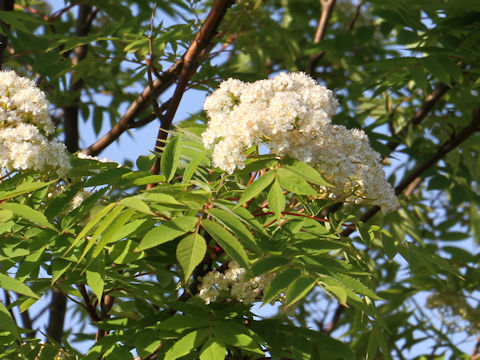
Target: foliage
<point>126,247</point>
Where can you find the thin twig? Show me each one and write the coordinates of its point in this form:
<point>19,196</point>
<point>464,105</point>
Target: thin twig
<point>327,8</point>
<point>355,16</point>
<point>151,67</point>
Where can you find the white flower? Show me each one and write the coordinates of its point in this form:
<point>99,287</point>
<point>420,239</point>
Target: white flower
<point>246,291</point>
<point>24,126</point>
<point>23,147</point>
<point>22,102</point>
<point>103,160</point>
<point>291,114</point>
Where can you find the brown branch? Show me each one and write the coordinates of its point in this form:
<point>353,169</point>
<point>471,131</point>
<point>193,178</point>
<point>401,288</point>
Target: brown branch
<point>476,350</point>
<point>92,312</point>
<point>58,308</point>
<point>27,323</point>
<point>422,168</point>
<point>136,107</point>
<point>430,101</point>
<point>85,18</point>
<point>200,43</point>
<point>355,16</point>
<point>327,8</point>
<point>336,317</point>
<point>410,182</point>
<point>106,305</point>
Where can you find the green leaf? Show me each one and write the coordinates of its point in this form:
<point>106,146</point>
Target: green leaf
<point>299,288</point>
<point>103,225</point>
<point>389,246</point>
<point>372,347</point>
<point>338,292</point>
<point>186,344</point>
<point>418,75</point>
<point>279,284</point>
<point>356,285</point>
<point>190,252</point>
<point>12,284</point>
<point>236,227</point>
<point>306,171</point>
<point>192,167</point>
<point>365,234</point>
<point>74,41</point>
<point>59,266</point>
<point>436,69</point>
<point>276,199</point>
<point>6,321</point>
<point>294,182</point>
<point>382,342</point>
<point>96,275</point>
<point>454,236</point>
<point>236,335</point>
<point>227,241</point>
<point>213,350</point>
<point>116,231</point>
<point>79,213</point>
<point>268,264</point>
<point>5,215</point>
<point>146,342</point>
<point>91,224</point>
<point>171,156</point>
<point>167,231</point>
<point>256,187</point>
<point>24,188</point>
<point>27,213</point>
<point>135,203</point>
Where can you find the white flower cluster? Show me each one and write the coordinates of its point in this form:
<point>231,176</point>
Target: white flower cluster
<point>25,125</point>
<point>233,280</point>
<point>292,114</point>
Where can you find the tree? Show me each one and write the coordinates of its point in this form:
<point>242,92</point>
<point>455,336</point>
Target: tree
<point>165,259</point>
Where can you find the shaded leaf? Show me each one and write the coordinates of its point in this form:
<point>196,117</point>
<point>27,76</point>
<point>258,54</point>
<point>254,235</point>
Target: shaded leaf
<point>227,241</point>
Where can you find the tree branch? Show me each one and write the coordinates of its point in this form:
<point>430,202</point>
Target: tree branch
<point>85,18</point>
<point>58,308</point>
<point>422,168</point>
<point>327,8</point>
<point>92,312</point>
<point>136,107</point>
<point>430,101</point>
<point>410,182</point>
<point>200,43</point>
